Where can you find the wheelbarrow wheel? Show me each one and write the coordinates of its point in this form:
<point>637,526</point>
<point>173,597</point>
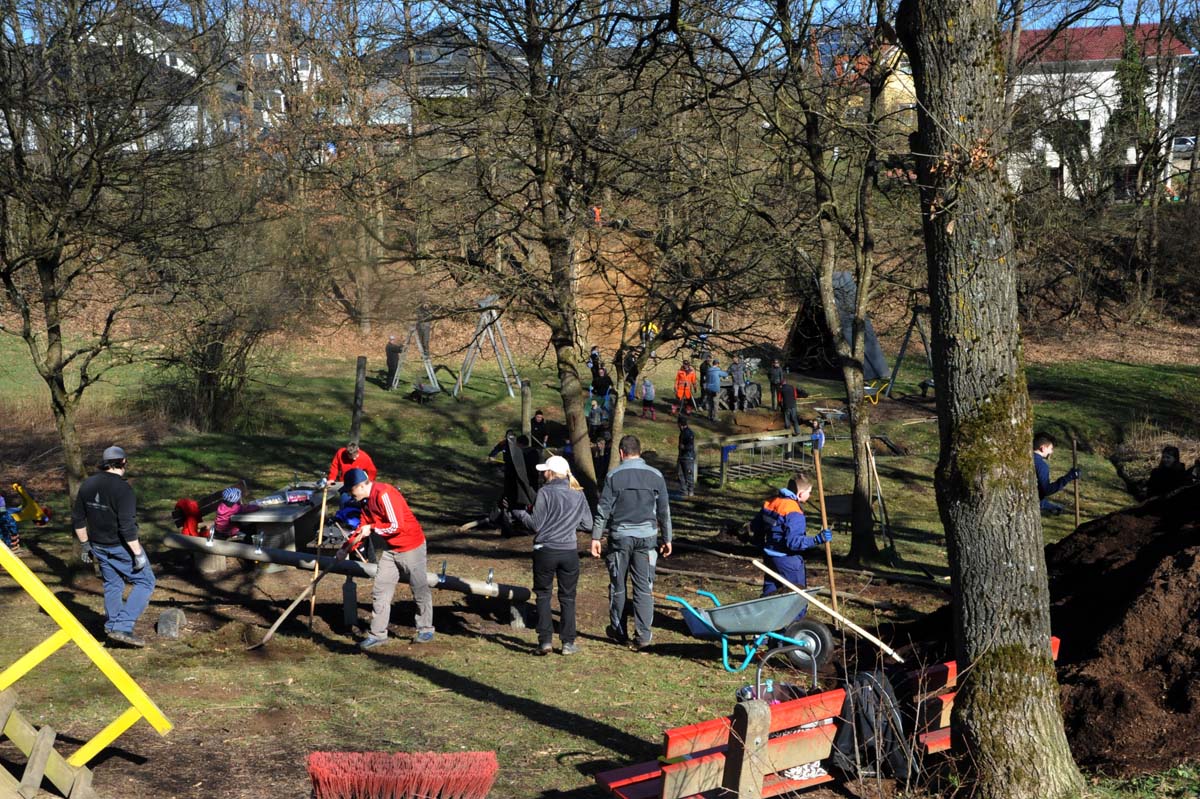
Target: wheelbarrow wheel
<point>817,636</point>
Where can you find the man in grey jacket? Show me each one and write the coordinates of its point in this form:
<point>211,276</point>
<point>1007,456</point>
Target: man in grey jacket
<point>633,506</point>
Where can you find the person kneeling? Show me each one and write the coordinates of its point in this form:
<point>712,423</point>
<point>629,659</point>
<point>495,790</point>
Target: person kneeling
<point>386,513</point>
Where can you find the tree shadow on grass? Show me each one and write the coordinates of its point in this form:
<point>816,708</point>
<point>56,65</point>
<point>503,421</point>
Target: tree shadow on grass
<point>556,718</point>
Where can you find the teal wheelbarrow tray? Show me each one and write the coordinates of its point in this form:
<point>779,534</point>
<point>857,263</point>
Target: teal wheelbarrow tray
<point>756,622</point>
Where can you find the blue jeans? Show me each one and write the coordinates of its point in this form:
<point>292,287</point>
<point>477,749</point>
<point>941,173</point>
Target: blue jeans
<point>633,557</point>
<point>790,568</point>
<point>116,569</point>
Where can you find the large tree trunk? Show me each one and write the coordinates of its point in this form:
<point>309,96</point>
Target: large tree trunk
<point>51,366</point>
<point>571,388</point>
<point>863,545</point>
<point>1006,723</point>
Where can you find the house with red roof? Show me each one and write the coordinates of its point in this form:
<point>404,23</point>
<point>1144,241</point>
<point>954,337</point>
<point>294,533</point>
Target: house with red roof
<point>1067,92</point>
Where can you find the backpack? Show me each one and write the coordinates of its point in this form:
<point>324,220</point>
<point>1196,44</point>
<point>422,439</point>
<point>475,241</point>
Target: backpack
<point>871,739</point>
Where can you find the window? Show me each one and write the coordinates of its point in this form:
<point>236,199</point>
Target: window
<point>259,60</point>
<point>303,64</point>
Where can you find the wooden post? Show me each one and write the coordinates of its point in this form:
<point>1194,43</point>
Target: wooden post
<point>1075,465</point>
<point>527,409</point>
<point>360,391</point>
<point>312,600</point>
<point>746,757</point>
<point>824,517</point>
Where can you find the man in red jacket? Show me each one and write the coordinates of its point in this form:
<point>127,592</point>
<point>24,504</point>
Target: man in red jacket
<point>385,513</point>
<point>347,458</point>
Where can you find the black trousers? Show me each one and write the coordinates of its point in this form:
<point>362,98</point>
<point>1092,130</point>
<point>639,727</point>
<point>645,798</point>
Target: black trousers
<point>549,564</point>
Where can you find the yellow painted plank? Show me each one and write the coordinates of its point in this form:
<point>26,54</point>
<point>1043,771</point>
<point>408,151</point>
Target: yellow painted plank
<point>84,640</point>
<point>105,737</point>
<point>32,658</point>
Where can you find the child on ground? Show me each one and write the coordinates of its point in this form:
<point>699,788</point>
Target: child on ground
<point>8,529</point>
<point>648,398</point>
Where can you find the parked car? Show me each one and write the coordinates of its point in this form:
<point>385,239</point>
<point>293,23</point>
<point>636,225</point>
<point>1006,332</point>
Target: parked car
<point>1183,144</point>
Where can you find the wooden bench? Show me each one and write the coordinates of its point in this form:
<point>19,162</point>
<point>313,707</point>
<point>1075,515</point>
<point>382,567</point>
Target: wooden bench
<point>710,754</point>
<point>696,758</point>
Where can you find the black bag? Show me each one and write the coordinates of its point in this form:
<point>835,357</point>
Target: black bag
<point>871,739</point>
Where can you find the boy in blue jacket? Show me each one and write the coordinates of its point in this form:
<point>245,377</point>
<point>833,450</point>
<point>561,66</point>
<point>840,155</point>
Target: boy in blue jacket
<point>781,529</point>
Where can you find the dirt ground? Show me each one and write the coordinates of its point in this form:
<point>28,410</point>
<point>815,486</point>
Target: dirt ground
<point>1126,603</point>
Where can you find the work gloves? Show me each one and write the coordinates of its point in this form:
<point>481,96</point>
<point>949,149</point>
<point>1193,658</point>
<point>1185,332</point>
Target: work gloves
<point>85,553</point>
<point>823,537</point>
<point>1073,475</point>
<point>140,561</point>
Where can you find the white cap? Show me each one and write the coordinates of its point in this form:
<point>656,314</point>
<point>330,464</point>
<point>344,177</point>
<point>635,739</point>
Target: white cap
<point>557,464</point>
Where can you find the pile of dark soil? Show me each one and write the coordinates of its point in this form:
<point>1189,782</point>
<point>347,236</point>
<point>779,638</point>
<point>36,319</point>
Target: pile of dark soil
<point>1125,593</point>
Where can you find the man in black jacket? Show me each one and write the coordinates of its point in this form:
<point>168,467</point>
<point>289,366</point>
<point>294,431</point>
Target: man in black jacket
<point>105,521</point>
<point>687,458</point>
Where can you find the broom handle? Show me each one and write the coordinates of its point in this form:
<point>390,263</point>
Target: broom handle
<point>812,599</point>
<point>1075,465</point>
<point>312,601</point>
<point>825,526</point>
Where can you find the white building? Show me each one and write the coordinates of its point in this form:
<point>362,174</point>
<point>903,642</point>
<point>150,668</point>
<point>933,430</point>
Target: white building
<point>1067,92</point>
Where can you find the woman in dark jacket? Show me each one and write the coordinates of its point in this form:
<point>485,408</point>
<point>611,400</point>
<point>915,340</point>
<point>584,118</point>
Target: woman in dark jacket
<point>559,511</point>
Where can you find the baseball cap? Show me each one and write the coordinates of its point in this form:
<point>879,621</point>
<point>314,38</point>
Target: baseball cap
<point>354,477</point>
<point>555,463</point>
<point>113,454</point>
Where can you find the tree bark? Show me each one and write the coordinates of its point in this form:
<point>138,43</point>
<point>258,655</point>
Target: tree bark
<point>1007,727</point>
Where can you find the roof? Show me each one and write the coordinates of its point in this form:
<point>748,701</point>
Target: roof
<point>1099,43</point>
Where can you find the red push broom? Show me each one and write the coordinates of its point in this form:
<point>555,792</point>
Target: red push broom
<point>402,775</point>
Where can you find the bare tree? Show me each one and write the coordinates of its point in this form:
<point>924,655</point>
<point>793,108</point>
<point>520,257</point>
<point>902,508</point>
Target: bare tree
<point>100,135</point>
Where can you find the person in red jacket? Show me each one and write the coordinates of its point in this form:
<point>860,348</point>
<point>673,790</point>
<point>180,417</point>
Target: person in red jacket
<point>347,458</point>
<point>386,513</point>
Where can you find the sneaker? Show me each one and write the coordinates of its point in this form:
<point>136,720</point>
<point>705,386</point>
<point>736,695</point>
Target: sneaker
<point>370,642</point>
<point>128,639</point>
<point>570,649</point>
<point>640,646</point>
<point>423,638</point>
<point>616,635</point>
<point>544,649</point>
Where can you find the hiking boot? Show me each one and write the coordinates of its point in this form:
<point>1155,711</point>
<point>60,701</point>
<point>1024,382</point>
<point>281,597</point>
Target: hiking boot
<point>570,649</point>
<point>128,639</point>
<point>616,635</point>
<point>544,649</point>
<point>371,642</point>
<point>423,638</point>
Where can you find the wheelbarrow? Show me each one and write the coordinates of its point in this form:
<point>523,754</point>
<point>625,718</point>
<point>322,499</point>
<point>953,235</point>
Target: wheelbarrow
<point>754,623</point>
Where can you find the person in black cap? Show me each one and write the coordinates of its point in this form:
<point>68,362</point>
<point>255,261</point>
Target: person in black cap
<point>105,521</point>
<point>687,458</point>
<point>392,352</point>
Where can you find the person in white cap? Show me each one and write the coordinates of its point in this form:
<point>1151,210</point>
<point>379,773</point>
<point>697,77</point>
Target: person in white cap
<point>105,521</point>
<point>560,510</point>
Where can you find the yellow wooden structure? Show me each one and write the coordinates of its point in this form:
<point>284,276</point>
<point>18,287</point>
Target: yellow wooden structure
<point>67,775</point>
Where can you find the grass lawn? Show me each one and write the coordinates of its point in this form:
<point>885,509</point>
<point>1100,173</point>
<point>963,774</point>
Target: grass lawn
<point>245,720</point>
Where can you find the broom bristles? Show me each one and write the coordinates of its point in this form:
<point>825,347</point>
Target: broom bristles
<point>402,775</point>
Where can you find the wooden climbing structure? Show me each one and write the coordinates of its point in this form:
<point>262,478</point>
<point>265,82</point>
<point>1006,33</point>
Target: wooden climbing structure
<point>69,775</point>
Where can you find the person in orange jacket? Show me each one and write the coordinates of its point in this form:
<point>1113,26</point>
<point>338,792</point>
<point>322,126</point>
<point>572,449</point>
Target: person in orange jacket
<point>347,458</point>
<point>685,387</point>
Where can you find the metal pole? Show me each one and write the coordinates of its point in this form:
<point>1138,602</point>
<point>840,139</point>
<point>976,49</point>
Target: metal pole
<point>900,355</point>
<point>491,332</point>
<point>499,324</point>
<point>527,409</point>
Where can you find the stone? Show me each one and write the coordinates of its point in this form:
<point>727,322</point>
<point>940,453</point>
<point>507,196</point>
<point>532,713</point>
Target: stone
<point>171,623</point>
